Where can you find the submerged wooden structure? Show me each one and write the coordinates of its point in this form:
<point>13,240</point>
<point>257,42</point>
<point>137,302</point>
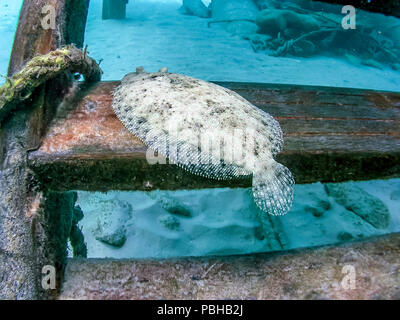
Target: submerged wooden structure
<point>114,9</point>
<point>67,138</point>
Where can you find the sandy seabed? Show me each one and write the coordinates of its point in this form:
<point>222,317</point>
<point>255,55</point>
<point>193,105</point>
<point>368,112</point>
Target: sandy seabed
<point>155,34</point>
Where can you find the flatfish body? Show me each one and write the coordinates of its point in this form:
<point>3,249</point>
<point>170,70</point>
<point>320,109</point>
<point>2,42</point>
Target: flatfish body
<point>208,130</point>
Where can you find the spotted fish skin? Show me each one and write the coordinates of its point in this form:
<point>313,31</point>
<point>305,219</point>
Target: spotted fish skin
<point>173,113</point>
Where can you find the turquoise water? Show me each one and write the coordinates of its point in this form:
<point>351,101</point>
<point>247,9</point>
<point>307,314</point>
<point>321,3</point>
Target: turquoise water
<point>9,10</point>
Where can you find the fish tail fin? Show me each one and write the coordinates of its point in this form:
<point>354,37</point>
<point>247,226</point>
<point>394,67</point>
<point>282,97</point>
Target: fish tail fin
<point>273,189</point>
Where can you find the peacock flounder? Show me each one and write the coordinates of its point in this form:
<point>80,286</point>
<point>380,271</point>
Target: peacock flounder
<point>207,130</point>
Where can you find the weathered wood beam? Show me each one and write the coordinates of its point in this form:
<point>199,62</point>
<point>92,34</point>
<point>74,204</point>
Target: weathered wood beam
<point>34,224</point>
<point>301,274</point>
<point>331,134</point>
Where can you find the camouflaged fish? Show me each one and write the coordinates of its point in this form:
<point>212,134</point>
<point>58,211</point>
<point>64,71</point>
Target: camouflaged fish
<point>208,130</point>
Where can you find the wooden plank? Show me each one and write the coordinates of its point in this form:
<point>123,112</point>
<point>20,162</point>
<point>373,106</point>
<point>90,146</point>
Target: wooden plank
<point>301,274</point>
<point>350,134</point>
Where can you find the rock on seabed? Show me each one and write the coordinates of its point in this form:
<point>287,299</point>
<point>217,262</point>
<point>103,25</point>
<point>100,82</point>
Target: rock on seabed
<point>353,198</point>
<point>196,8</point>
<point>111,222</point>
